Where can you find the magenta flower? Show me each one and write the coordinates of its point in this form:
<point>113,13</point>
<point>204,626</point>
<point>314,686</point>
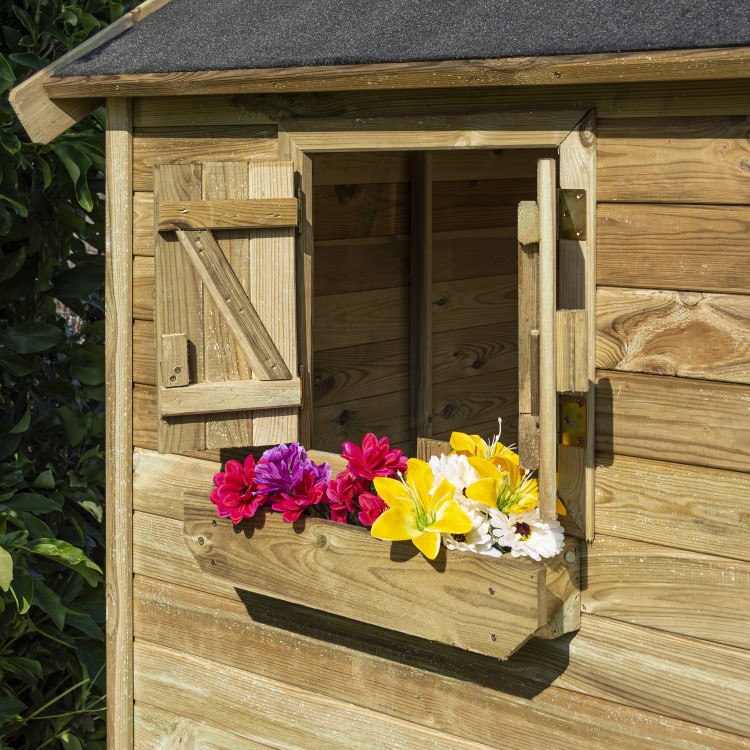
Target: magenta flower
<point>310,490</point>
<point>370,508</point>
<point>236,494</point>
<point>374,458</point>
<point>342,493</point>
<point>283,467</point>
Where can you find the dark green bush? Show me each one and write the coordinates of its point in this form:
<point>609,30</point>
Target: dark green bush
<point>51,401</point>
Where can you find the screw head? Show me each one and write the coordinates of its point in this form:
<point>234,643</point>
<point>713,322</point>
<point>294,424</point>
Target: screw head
<point>491,591</point>
<point>579,233</point>
<point>493,637</point>
<point>579,441</point>
<point>213,563</point>
<point>178,369</point>
<point>173,377</point>
<point>201,541</point>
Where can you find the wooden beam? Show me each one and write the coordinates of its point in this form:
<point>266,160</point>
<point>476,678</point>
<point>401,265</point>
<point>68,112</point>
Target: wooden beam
<point>632,67</point>
<point>232,395</point>
<point>572,351</point>
<point>227,214</point>
<point>547,199</point>
<point>174,360</point>
<point>421,295</point>
<point>232,301</point>
<point>43,117</point>
<point>119,422</point>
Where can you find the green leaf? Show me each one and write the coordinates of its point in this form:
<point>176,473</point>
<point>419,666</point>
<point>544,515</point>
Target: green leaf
<point>73,424</point>
<point>77,165</point>
<point>29,59</point>
<point>32,336</point>
<point>14,364</point>
<point>49,602</point>
<point>21,665</point>
<point>23,423</point>
<point>86,625</point>
<point>80,281</point>
<point>32,503</point>
<point>70,741</point>
<point>22,589</point>
<point>36,527</point>
<point>45,481</point>
<point>68,555</point>
<point>12,264</point>
<point>10,708</point>
<point>6,72</point>
<point>6,569</point>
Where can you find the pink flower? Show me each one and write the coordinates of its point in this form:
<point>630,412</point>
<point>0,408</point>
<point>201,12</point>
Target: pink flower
<point>342,493</point>
<point>309,491</point>
<point>371,507</point>
<point>236,493</point>
<point>374,459</point>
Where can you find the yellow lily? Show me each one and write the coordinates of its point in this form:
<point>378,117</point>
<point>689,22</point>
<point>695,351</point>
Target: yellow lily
<point>495,452</point>
<point>415,512</point>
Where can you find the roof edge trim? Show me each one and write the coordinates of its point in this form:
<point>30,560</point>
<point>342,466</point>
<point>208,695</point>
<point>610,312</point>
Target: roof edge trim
<point>43,116</point>
<point>633,67</point>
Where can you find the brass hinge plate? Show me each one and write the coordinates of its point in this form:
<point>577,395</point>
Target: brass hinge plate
<point>573,420</point>
<point>571,214</point>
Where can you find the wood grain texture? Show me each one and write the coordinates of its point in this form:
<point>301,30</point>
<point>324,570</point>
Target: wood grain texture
<point>119,422</point>
<point>673,419</point>
<point>143,287</point>
<point>156,729</point>
<point>466,302</point>
<point>143,223</point>
<point>144,352</point>
<point>616,100</point>
<point>470,352</point>
<point>469,253</point>
<point>144,416</point>
<point>677,160</point>
<point>354,372</point>
<point>674,505</point>
<point>343,570</point>
<point>668,65</point>
<point>327,725</point>
<point>179,145</point>
<point>174,360</point>
<point>688,334</point>
<point>572,351</point>
<point>227,214</point>
<point>256,637</point>
<point>678,591</point>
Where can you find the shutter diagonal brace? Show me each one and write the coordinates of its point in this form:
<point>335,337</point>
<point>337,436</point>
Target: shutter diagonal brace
<point>230,298</point>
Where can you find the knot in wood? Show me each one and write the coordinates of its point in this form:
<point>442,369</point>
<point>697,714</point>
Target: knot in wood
<point>321,541</point>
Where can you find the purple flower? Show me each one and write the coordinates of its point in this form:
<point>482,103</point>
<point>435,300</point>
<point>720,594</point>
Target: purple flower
<point>282,468</point>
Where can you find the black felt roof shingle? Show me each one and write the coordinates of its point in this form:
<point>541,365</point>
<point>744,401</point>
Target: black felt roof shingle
<point>188,35</point>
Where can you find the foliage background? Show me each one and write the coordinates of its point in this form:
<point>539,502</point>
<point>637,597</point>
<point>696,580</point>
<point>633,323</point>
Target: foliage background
<point>51,400</point>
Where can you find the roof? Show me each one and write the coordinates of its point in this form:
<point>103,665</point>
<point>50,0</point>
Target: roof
<point>195,35</point>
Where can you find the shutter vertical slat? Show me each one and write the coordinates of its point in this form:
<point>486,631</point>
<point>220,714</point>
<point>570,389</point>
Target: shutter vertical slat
<point>178,304</point>
<point>273,292</point>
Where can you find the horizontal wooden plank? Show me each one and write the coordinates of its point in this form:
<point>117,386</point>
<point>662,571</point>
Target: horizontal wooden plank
<point>679,591</point>
<point>470,253</point>
<point>479,204</point>
<point>229,396</point>
<point>361,264</point>
<point>143,288</point>
<point>465,403</point>
<point>354,372</point>
<point>362,167</point>
<point>617,100</point>
<point>674,160</point>
<point>355,318</point>
<point>466,302</point>
<point>699,248</point>
<point>156,729</point>
<point>688,334</point>
<point>694,422</point>
<point>470,352</point>
<point>385,414</point>
<point>255,636</point>
<point>190,145</point>
<point>144,352</point>
<point>674,505</point>
<point>196,688</point>
<point>227,214</point>
<point>356,210</point>
<point>144,416</point>
<point>143,223</point>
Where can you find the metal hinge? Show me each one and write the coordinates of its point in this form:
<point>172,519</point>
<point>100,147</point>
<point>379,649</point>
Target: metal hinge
<point>573,420</point>
<point>571,214</point>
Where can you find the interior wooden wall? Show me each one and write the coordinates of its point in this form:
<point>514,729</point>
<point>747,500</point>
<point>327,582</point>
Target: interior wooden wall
<point>663,655</point>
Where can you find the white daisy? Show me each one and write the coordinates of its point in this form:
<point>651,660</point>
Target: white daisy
<point>479,539</point>
<point>526,534</point>
<point>456,469</point>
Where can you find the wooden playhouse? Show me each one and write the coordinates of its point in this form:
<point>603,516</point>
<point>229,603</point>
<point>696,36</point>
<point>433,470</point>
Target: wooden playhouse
<point>412,219</point>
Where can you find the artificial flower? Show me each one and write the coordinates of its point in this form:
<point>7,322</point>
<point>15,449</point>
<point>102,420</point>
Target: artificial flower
<point>371,507</point>
<point>417,512</point>
<point>475,446</point>
<point>283,467</point>
<point>374,458</point>
<point>478,539</point>
<point>526,534</point>
<point>510,491</point>
<point>236,494</point>
<point>342,493</point>
<point>307,492</point>
<point>456,469</point>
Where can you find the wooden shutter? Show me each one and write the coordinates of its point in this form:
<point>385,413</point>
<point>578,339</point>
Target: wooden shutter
<point>552,347</point>
<point>226,305</point>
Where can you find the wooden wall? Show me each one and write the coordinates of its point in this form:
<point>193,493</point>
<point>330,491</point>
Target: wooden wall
<point>663,655</point>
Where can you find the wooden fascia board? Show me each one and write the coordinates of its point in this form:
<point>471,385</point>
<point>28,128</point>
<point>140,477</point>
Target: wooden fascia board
<point>671,65</point>
<point>44,117</point>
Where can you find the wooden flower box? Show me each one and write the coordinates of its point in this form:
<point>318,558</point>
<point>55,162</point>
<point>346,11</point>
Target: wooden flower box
<point>482,604</point>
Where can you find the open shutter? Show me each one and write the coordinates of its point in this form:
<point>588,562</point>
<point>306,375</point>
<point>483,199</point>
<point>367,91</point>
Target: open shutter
<point>226,305</point>
<point>553,374</point>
